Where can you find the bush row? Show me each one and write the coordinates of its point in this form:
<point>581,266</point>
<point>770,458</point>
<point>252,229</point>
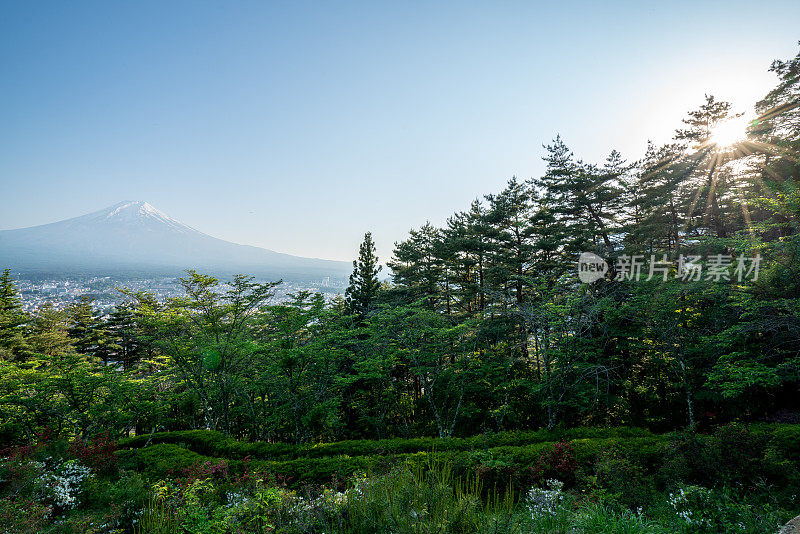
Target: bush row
<point>213,443</point>
<point>634,467</point>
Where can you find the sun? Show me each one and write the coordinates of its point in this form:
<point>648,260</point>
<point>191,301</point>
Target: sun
<point>728,133</point>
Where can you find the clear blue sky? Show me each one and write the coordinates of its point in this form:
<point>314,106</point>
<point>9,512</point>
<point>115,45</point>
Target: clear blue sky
<point>299,126</point>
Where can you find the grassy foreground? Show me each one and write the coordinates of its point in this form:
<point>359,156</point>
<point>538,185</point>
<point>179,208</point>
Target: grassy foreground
<point>735,479</point>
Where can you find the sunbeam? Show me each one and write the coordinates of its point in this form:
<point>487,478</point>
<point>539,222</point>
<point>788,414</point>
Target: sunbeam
<point>729,133</point>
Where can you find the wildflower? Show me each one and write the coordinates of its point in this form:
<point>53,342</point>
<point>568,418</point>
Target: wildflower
<point>65,483</point>
<point>548,501</point>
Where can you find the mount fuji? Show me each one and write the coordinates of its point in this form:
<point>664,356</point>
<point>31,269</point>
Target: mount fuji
<point>135,237</point>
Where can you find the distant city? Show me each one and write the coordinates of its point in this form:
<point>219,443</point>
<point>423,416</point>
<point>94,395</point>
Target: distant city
<point>61,292</point>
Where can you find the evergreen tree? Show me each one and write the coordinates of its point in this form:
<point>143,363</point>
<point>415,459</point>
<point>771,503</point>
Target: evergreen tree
<point>585,199</point>
<point>123,340</point>
<point>705,185</point>
<point>12,319</point>
<point>509,216</point>
<point>416,265</point>
<point>88,330</point>
<point>467,242</point>
<point>779,111</point>
<point>364,283</point>
<point>655,201</point>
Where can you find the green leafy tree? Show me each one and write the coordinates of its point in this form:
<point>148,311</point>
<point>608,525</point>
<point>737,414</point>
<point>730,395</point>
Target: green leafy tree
<point>207,336</point>
<point>301,355</point>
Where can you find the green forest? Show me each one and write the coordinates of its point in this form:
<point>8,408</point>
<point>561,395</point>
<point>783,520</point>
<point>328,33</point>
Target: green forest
<point>475,385</point>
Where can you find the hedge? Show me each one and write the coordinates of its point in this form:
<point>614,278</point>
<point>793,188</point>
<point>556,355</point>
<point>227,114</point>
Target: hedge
<point>655,454</point>
<point>213,443</point>
<point>160,460</point>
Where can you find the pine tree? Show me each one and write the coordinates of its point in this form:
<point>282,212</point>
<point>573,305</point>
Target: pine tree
<point>584,198</point>
<point>779,120</point>
<point>364,283</point>
<point>87,330</point>
<point>777,134</point>
<point>705,183</point>
<point>658,203</point>
<point>509,216</point>
<point>700,122</point>
<point>123,343</point>
<point>466,242</point>
<point>417,267</point>
<point>12,319</point>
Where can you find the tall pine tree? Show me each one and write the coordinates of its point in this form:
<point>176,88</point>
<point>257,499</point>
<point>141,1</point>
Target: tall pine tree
<point>12,319</point>
<point>364,283</point>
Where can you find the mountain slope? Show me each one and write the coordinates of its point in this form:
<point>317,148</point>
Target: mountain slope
<point>136,237</point>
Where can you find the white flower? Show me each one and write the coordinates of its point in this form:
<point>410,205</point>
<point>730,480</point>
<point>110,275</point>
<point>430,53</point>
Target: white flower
<point>65,482</point>
<point>546,501</point>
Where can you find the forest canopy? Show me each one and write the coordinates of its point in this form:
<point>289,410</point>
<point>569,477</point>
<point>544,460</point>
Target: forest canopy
<point>485,325</point>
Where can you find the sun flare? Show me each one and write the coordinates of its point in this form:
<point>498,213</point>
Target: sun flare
<point>729,132</point>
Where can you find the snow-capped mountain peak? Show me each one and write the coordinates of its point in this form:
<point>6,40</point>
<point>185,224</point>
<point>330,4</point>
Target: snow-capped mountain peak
<point>135,235</point>
<point>136,212</point>
<point>135,207</point>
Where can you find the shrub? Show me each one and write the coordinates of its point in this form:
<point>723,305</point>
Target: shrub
<point>212,443</point>
<point>701,509</point>
<point>23,516</point>
<point>120,501</point>
<point>604,519</point>
<point>97,452</point>
<point>546,501</point>
<point>556,462</point>
<point>624,478</point>
<point>786,438</point>
<point>422,497</point>
<point>495,472</point>
<point>160,461</point>
<point>735,456</point>
<point>641,463</point>
<point>56,484</point>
